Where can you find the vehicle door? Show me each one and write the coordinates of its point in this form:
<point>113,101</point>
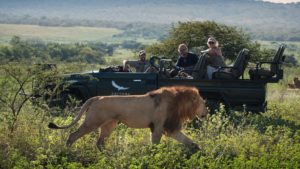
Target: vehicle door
<point>123,83</point>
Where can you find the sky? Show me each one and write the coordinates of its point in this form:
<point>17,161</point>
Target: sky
<point>282,1</point>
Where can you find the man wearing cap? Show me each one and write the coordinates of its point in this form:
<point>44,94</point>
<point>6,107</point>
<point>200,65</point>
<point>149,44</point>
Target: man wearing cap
<point>140,65</point>
<point>186,60</point>
<point>215,58</point>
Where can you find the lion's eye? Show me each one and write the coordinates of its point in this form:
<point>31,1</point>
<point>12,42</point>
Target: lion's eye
<point>194,99</point>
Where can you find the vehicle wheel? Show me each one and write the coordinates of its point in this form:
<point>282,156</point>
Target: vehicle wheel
<point>64,99</point>
<point>59,100</point>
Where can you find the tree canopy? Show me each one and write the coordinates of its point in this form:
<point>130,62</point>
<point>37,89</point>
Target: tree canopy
<point>195,35</point>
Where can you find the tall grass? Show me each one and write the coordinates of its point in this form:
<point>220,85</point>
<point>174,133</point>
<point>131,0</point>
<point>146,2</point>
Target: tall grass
<point>120,55</point>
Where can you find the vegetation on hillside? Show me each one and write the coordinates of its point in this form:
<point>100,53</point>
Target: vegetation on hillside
<point>264,20</point>
<point>194,34</point>
<point>96,28</point>
<point>20,50</point>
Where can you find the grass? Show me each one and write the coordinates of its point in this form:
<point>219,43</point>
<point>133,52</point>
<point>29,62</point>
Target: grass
<point>120,55</point>
<point>56,34</point>
<point>65,34</point>
<point>280,91</point>
<point>292,47</point>
<point>269,140</point>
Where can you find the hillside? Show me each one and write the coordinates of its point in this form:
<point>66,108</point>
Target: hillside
<point>258,17</point>
<point>165,11</point>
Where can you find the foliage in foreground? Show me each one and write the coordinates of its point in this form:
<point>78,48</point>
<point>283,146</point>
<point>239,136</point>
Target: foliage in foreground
<point>235,140</point>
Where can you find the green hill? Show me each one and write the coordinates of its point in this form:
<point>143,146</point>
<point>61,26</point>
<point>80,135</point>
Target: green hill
<point>264,20</point>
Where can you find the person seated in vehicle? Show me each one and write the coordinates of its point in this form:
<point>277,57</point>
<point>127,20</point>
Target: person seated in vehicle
<point>140,65</point>
<point>186,60</point>
<point>215,58</point>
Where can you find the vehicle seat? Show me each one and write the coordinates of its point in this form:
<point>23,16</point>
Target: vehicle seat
<point>262,73</point>
<point>199,71</point>
<point>235,71</point>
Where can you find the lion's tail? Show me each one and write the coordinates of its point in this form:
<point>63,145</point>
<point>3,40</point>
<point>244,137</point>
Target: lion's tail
<point>83,109</point>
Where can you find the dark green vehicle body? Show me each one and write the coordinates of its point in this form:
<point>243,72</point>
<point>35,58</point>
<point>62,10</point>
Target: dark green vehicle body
<point>238,94</point>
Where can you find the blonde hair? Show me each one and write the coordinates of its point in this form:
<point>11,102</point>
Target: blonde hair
<point>212,39</point>
<point>181,45</point>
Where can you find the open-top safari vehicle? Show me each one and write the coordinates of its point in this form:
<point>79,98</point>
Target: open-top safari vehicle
<point>228,86</point>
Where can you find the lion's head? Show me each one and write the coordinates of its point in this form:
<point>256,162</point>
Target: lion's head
<point>184,103</point>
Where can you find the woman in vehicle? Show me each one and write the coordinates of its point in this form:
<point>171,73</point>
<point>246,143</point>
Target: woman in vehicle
<point>215,58</point>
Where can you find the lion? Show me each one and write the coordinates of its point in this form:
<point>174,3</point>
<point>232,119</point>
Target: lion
<point>164,111</point>
<point>296,84</point>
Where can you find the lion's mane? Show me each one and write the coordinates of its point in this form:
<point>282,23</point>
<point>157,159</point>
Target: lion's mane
<point>183,102</point>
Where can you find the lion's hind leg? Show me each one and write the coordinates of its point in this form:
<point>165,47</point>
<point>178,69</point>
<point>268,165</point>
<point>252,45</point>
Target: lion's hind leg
<point>106,130</point>
<point>87,127</point>
<point>82,130</point>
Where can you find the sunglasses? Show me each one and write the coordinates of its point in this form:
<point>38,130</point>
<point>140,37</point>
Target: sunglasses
<point>211,42</point>
<point>181,50</point>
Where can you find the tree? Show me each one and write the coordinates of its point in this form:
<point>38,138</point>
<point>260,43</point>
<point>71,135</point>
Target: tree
<point>19,49</point>
<point>195,35</point>
<point>16,89</point>
<point>89,55</point>
<point>12,94</point>
<point>5,54</point>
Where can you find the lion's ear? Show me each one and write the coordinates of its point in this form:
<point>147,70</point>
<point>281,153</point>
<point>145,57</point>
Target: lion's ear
<point>168,94</point>
<point>195,98</point>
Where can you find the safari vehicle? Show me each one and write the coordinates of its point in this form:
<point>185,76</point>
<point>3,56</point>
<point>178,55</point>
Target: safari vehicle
<point>228,86</point>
